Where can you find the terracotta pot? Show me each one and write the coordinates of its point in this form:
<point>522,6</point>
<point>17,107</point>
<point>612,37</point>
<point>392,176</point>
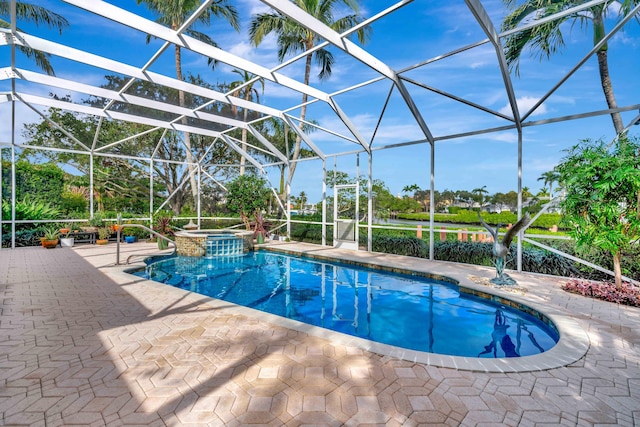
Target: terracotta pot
<point>102,241</point>
<point>64,230</point>
<point>50,244</point>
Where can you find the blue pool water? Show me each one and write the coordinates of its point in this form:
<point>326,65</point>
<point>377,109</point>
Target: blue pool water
<point>406,311</point>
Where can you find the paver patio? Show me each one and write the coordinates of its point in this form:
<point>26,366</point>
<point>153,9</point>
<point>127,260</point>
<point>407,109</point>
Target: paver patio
<point>82,343</point>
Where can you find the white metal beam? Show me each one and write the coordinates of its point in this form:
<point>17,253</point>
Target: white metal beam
<point>304,137</point>
<point>486,24</point>
<point>128,70</point>
<point>137,22</point>
<point>125,98</point>
<point>289,9</point>
<point>70,106</point>
<point>243,153</point>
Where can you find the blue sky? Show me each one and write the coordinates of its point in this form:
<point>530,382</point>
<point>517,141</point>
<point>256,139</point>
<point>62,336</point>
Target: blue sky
<point>415,33</point>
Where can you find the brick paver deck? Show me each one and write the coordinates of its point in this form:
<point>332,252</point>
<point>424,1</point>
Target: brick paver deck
<point>82,343</point>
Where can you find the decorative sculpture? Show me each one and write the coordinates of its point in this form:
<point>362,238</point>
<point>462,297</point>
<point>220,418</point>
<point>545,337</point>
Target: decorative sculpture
<point>501,249</point>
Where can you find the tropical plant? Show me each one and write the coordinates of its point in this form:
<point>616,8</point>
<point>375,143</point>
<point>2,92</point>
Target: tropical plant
<point>248,195</point>
<point>628,294</point>
<point>104,233</point>
<point>51,233</point>
<point>128,231</point>
<point>162,225</point>
<point>28,209</point>
<point>601,206</point>
<point>37,15</point>
<point>547,37</point>
<point>294,37</point>
<point>174,13</point>
<point>97,220</point>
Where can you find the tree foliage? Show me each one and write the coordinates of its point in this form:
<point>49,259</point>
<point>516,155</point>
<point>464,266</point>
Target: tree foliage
<point>40,182</point>
<point>547,38</point>
<point>601,204</point>
<point>248,195</point>
<point>293,37</point>
<point>119,183</point>
<point>37,15</point>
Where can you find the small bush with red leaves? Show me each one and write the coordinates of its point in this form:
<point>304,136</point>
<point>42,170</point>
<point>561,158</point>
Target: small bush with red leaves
<point>628,294</point>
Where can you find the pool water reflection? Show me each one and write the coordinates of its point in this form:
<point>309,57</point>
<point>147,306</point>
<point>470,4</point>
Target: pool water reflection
<point>407,311</point>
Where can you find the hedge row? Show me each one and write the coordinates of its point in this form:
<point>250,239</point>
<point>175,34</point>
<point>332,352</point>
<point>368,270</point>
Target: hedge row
<point>545,221</point>
<point>533,259</point>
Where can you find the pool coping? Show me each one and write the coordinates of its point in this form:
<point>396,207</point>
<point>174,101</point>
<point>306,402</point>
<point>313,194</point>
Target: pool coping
<point>571,347</point>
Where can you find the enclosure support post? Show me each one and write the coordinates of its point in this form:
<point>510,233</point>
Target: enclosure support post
<point>199,192</point>
<point>287,190</point>
<point>357,215</point>
<point>324,202</point>
<point>432,198</point>
<point>91,184</point>
<point>150,193</point>
<point>12,12</point>
<point>13,192</point>
<point>370,205</point>
<point>521,233</point>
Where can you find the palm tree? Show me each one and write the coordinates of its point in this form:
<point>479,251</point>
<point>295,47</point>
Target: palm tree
<point>547,38</point>
<point>37,15</point>
<point>245,86</point>
<point>480,191</point>
<point>293,37</point>
<point>302,199</point>
<point>283,138</point>
<point>174,13</point>
<point>548,178</point>
<point>413,188</point>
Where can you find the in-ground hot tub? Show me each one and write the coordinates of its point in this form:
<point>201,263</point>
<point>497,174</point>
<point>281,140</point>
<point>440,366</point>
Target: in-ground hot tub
<point>222,242</point>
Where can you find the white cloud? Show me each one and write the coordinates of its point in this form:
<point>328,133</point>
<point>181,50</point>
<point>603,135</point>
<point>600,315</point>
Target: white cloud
<point>525,103</point>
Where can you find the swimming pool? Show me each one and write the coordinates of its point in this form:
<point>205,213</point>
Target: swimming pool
<point>411,312</point>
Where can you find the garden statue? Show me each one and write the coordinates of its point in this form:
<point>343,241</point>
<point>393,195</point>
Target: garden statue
<point>501,249</point>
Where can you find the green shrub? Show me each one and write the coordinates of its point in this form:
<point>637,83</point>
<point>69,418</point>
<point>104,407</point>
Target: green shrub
<point>463,252</point>
<point>26,237</point>
<point>464,216</point>
<point>408,246</point>
<point>72,202</point>
<point>28,208</point>
<point>38,181</point>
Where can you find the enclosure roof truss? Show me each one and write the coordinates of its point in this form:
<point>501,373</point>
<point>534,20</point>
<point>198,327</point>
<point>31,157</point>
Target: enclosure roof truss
<point>219,125</point>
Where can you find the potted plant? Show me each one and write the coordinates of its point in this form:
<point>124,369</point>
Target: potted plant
<point>129,234</point>
<point>94,223</point>
<point>66,240</point>
<point>103,235</point>
<point>163,226</point>
<point>260,231</point>
<point>51,235</point>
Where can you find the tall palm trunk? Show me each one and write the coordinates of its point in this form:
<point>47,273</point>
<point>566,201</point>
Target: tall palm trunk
<point>245,115</point>
<point>603,68</point>
<point>187,136</point>
<point>303,113</point>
